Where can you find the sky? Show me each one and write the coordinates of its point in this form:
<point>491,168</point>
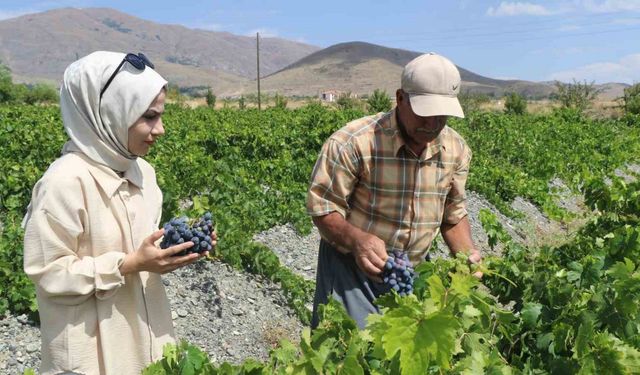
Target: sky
<point>585,40</point>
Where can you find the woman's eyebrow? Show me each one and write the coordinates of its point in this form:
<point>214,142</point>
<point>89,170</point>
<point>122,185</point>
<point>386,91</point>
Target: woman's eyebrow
<point>153,111</point>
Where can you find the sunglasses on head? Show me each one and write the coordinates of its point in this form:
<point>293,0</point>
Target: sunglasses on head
<point>139,61</point>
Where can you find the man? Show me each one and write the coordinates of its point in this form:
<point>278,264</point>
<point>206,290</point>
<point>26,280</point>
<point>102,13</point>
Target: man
<point>390,182</point>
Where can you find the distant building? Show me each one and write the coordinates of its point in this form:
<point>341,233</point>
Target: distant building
<point>333,95</point>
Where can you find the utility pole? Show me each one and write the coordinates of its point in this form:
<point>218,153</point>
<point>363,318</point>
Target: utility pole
<point>258,65</point>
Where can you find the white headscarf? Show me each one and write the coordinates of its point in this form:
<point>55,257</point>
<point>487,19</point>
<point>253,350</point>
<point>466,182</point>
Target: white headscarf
<point>100,129</point>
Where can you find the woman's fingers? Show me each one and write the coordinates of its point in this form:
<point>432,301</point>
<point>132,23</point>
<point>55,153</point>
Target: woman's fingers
<point>176,249</point>
<point>183,260</point>
<point>155,236</point>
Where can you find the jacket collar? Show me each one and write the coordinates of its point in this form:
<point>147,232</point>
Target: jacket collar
<point>108,180</point>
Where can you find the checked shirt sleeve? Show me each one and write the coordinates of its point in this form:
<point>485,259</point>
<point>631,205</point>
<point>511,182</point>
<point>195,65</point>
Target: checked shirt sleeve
<point>455,205</point>
<point>333,179</point>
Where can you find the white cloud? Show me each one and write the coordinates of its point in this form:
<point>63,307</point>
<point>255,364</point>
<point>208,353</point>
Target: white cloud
<point>518,9</point>
<point>566,28</point>
<point>6,14</point>
<point>301,40</point>
<point>208,26</point>
<point>610,6</point>
<point>626,70</point>
<point>264,33</point>
<point>627,21</point>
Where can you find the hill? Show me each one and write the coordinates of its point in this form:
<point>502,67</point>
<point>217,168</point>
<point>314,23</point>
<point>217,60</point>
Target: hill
<point>39,47</point>
<point>360,67</point>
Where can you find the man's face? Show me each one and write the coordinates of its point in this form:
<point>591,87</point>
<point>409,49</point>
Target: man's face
<point>420,130</point>
<point>144,132</point>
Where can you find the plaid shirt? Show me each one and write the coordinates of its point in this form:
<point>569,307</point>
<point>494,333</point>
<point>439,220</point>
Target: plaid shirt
<point>367,173</point>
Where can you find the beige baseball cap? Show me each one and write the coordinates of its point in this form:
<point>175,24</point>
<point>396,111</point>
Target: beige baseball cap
<point>433,84</point>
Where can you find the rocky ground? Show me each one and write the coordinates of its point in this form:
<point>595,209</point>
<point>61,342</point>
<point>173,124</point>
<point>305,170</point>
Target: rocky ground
<point>233,315</point>
<point>229,314</point>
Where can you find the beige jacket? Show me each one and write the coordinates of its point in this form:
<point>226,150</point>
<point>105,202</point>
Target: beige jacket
<point>84,219</point>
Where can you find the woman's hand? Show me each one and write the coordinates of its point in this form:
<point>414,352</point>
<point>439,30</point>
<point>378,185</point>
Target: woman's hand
<point>151,258</point>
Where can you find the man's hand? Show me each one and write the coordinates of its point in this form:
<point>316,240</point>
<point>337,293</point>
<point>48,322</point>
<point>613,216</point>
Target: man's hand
<point>153,259</point>
<point>370,254</point>
<point>458,238</point>
<point>475,258</point>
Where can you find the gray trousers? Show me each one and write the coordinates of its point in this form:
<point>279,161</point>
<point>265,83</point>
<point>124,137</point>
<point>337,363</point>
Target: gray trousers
<point>338,276</point>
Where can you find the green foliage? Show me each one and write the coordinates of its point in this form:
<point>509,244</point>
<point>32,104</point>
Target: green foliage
<point>41,93</point>
<point>16,290</point>
<point>174,95</point>
<point>280,101</point>
<point>348,102</point>
<point>20,93</point>
<point>471,102</point>
<point>211,99</point>
<point>574,307</point>
<point>631,99</point>
<point>518,156</point>
<point>379,101</point>
<point>6,85</point>
<point>576,300</point>
<point>577,95</point>
<point>515,104</point>
<point>256,176</point>
<point>241,103</point>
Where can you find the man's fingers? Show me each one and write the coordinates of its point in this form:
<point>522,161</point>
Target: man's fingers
<point>475,258</point>
<point>173,250</point>
<point>378,260</point>
<point>155,236</point>
<point>368,268</point>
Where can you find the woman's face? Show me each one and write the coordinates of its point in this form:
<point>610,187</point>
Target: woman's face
<point>144,132</point>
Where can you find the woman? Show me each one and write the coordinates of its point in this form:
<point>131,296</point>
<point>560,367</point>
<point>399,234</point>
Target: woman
<point>91,227</point>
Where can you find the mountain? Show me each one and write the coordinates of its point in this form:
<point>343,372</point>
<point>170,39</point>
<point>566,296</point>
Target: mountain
<point>40,46</point>
<point>360,68</point>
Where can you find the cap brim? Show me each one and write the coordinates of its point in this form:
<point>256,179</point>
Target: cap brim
<point>435,105</point>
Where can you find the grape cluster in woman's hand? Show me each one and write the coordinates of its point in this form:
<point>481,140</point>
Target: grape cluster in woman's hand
<point>398,273</point>
<point>179,230</point>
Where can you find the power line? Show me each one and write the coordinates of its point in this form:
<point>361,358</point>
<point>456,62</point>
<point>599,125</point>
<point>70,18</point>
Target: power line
<point>491,34</point>
<point>501,42</point>
<point>490,28</point>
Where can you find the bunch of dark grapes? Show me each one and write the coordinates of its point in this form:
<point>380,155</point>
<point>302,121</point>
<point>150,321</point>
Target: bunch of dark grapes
<point>178,230</point>
<point>398,273</point>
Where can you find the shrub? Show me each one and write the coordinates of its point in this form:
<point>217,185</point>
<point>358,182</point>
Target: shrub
<point>631,99</point>
<point>40,93</point>
<point>347,101</point>
<point>576,95</point>
<point>515,104</point>
<point>211,99</point>
<point>472,102</point>
<point>6,85</point>
<point>174,94</point>
<point>379,101</point>
<point>241,103</point>
<point>280,101</point>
